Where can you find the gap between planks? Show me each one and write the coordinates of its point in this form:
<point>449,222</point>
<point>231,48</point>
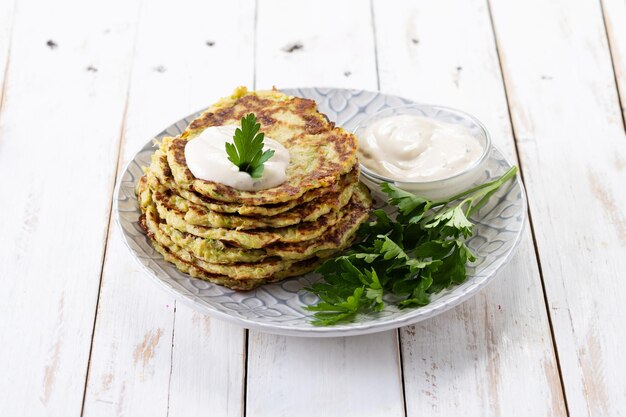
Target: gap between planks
<point>610,46</point>
<point>245,373</point>
<point>6,71</point>
<point>378,88</point>
<point>401,361</point>
<point>398,330</point>
<point>246,332</point>
<point>169,379</point>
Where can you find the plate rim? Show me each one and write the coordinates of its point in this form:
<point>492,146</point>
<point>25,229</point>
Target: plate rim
<point>412,317</point>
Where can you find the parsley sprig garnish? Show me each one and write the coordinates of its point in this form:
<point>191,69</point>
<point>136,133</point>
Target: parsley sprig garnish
<point>420,253</point>
<point>247,151</point>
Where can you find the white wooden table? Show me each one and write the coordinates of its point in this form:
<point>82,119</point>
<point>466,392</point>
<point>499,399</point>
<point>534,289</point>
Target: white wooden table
<point>85,84</point>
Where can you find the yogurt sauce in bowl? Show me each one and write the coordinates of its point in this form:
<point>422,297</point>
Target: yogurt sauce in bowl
<point>415,148</point>
<point>432,151</point>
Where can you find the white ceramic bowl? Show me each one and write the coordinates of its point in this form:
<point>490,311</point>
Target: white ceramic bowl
<point>441,188</point>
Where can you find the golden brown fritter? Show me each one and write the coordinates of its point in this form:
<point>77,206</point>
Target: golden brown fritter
<point>320,152</point>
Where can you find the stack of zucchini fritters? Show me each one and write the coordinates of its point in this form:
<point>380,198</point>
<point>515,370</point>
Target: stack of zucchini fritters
<point>242,239</point>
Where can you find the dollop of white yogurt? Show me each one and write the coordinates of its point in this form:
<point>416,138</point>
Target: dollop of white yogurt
<point>415,148</point>
<point>207,159</point>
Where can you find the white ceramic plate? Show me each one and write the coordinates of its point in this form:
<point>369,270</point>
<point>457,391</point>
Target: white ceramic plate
<point>278,308</point>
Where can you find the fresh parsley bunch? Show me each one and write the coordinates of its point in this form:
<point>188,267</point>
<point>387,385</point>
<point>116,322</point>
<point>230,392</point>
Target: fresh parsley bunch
<point>247,151</point>
<point>420,252</point>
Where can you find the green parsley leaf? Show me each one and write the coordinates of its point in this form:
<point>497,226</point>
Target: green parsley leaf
<point>419,297</point>
<point>411,207</point>
<point>246,151</point>
<point>454,219</point>
<point>333,313</point>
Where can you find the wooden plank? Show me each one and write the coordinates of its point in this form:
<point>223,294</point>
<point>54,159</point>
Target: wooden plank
<point>614,18</point>
<point>331,377</point>
<point>324,377</point>
<point>570,136</point>
<point>474,359</point>
<point>152,356</point>
<point>59,128</point>
<point>302,44</point>
<point>208,369</point>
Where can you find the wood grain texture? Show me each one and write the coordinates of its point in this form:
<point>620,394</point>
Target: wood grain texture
<point>570,135</point>
<point>357,375</point>
<point>471,360</point>
<point>152,356</point>
<point>60,124</point>
<point>335,377</point>
<point>303,44</point>
<point>208,370</point>
<point>614,19</point>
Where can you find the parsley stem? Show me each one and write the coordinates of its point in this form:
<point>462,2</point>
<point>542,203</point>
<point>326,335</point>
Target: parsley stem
<point>499,181</point>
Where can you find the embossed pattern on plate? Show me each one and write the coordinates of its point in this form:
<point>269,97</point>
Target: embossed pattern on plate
<point>278,308</point>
